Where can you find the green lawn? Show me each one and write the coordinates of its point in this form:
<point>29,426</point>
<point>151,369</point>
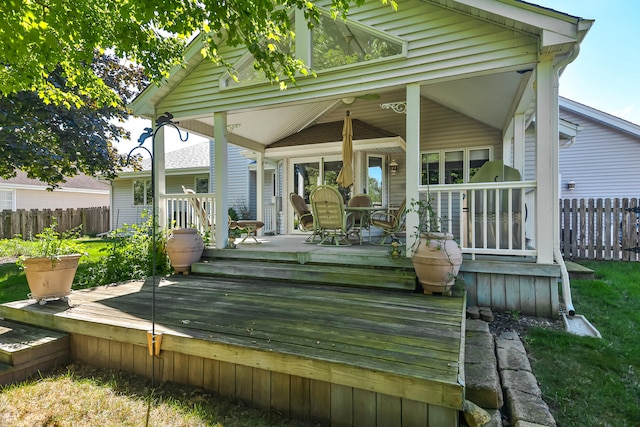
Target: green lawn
<point>590,381</point>
<point>13,283</point>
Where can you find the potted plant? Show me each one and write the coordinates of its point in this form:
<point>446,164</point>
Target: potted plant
<point>184,247</point>
<point>436,256</point>
<point>50,264</point>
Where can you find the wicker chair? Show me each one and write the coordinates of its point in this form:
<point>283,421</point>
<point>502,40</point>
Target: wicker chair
<point>329,215</point>
<point>359,220</point>
<point>389,223</point>
<point>305,217</point>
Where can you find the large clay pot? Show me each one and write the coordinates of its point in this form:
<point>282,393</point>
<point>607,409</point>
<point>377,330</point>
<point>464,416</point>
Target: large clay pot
<point>437,261</point>
<point>184,247</point>
<point>50,279</point>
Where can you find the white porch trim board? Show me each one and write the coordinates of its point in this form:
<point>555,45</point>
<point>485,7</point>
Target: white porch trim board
<point>412,157</point>
<point>222,193</point>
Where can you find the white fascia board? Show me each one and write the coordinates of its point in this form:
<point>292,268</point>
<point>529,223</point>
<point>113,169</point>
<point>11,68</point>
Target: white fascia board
<point>335,147</point>
<point>568,129</point>
<point>600,116</point>
<point>545,19</point>
<point>147,173</point>
<point>57,190</point>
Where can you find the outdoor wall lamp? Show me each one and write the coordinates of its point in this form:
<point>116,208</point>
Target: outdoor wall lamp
<point>393,167</point>
<point>571,185</point>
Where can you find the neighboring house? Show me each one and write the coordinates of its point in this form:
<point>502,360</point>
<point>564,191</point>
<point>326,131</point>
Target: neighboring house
<point>602,160</point>
<point>436,89</point>
<point>80,191</point>
<point>188,167</point>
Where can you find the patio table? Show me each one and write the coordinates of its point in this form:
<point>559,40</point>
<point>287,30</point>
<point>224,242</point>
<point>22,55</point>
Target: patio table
<point>366,212</point>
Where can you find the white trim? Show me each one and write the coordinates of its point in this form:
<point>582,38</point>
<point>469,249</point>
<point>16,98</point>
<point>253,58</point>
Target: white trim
<point>336,147</point>
<point>57,190</point>
<point>600,116</point>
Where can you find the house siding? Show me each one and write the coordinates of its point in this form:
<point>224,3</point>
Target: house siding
<point>42,199</point>
<point>441,44</point>
<point>603,161</point>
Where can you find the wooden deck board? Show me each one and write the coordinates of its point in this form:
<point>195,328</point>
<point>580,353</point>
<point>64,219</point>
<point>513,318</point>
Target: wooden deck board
<point>402,344</point>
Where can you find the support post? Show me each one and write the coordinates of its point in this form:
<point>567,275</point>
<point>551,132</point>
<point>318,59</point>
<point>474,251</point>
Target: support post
<point>221,224</point>
<point>412,158</point>
<point>547,206</point>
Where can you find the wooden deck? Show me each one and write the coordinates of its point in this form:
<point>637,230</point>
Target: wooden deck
<point>341,356</point>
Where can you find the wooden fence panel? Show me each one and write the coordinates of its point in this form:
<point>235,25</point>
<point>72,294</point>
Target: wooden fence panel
<point>600,229</point>
<point>28,223</point>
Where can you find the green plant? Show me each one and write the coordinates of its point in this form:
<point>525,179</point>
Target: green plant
<point>129,256</point>
<point>52,244</point>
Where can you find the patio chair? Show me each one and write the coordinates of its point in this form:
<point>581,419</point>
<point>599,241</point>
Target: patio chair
<point>329,215</point>
<point>199,210</point>
<point>359,220</point>
<point>389,223</point>
<point>305,217</point>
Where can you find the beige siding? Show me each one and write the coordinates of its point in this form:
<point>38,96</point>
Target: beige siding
<point>603,161</point>
<point>123,211</point>
<point>441,44</point>
<point>42,199</point>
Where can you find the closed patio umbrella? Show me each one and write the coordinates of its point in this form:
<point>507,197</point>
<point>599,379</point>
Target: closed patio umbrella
<point>345,177</point>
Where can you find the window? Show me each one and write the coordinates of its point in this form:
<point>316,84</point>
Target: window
<point>337,43</point>
<point>142,192</point>
<point>245,71</point>
<point>374,179</point>
<point>202,185</point>
<point>6,200</point>
<point>452,166</point>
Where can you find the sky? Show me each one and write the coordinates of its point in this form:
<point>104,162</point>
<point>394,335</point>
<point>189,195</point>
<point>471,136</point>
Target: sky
<point>605,76</point>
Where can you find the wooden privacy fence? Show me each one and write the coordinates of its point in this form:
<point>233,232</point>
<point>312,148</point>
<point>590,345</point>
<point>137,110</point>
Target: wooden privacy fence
<point>600,229</point>
<point>31,222</point>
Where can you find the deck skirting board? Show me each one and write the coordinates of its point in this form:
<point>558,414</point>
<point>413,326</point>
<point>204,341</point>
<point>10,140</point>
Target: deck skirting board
<point>291,395</point>
<point>528,288</point>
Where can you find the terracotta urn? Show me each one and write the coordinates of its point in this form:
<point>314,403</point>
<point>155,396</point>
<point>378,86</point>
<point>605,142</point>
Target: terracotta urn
<point>437,261</point>
<point>184,247</point>
<point>51,278</point>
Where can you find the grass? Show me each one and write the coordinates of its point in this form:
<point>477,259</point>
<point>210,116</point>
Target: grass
<point>83,396</point>
<point>589,381</point>
<point>13,283</point>
<point>109,397</point>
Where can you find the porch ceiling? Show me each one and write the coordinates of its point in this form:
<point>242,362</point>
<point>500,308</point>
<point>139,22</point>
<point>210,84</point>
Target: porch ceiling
<point>488,99</point>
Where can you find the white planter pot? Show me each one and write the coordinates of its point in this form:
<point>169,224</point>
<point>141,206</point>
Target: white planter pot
<point>51,279</point>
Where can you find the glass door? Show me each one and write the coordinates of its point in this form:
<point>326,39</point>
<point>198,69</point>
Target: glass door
<point>308,173</point>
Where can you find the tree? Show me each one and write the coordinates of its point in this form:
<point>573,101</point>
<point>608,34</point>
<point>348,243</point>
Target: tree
<point>50,141</point>
<point>40,37</point>
<point>47,48</point>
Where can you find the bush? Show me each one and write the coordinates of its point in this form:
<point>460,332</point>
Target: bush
<point>129,257</point>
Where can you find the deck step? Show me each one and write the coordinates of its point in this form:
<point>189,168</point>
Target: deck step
<point>310,273</point>
<point>25,350</point>
<point>579,272</point>
<point>361,270</point>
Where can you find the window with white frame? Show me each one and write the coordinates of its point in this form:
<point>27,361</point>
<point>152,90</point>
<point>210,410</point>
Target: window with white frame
<point>6,200</point>
<point>142,192</point>
<point>452,166</point>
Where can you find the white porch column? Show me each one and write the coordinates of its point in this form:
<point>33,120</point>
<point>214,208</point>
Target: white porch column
<point>160,180</point>
<point>220,169</point>
<point>412,158</point>
<point>547,210</point>
<point>260,188</point>
<point>519,143</point>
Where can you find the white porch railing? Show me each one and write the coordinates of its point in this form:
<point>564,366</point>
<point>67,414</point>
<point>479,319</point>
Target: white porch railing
<point>198,211</point>
<point>485,218</point>
<point>189,210</point>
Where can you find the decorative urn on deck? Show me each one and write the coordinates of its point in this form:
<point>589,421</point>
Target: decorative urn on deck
<point>184,247</point>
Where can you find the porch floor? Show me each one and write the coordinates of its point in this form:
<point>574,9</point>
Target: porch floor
<point>404,345</point>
